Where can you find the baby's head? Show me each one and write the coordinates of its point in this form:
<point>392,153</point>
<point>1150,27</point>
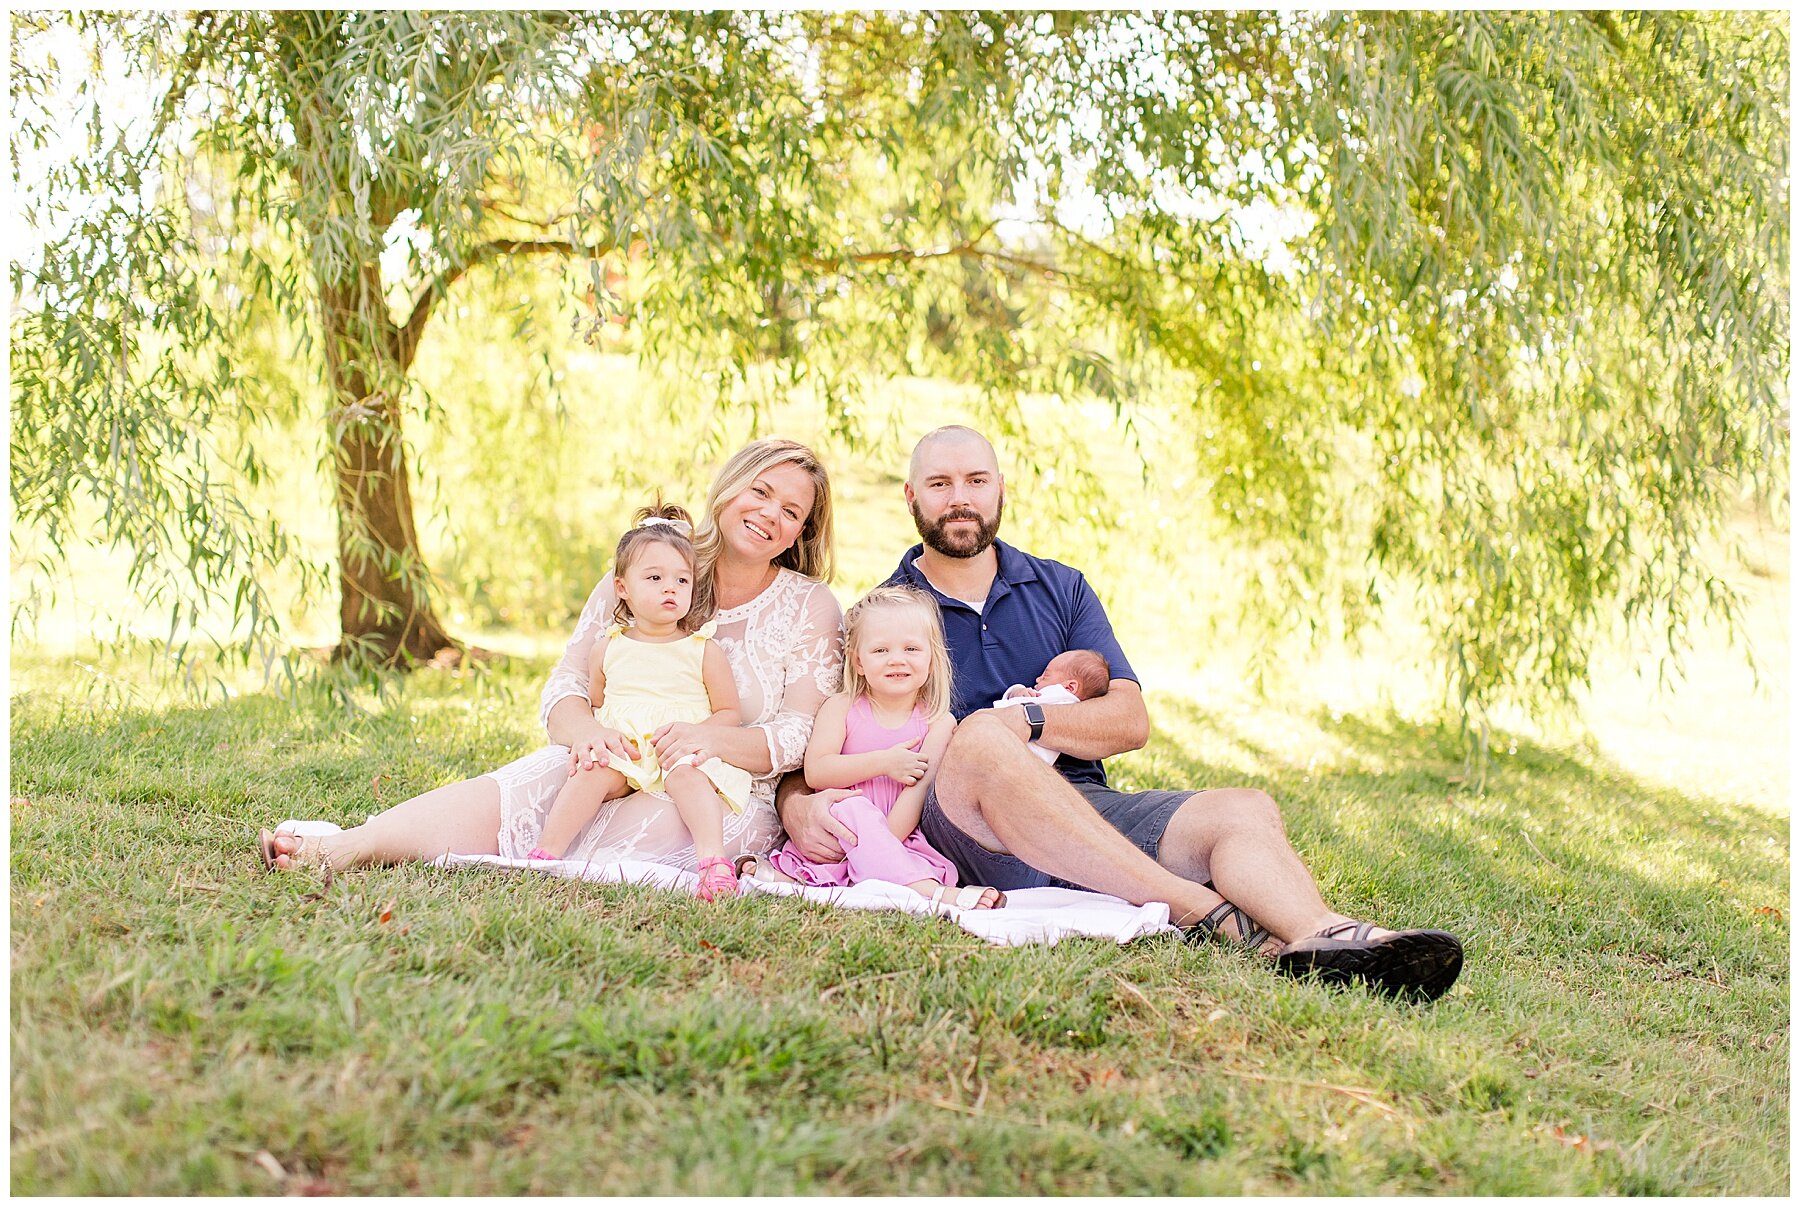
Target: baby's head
<point>1084,672</point>
<point>655,553</point>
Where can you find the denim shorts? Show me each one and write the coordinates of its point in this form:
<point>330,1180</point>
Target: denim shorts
<point>1139,816</point>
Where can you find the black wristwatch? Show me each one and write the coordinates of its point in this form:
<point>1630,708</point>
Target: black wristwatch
<point>1034,712</point>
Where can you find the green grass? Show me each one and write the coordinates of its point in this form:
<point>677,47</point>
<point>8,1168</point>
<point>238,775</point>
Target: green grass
<point>182,1023</point>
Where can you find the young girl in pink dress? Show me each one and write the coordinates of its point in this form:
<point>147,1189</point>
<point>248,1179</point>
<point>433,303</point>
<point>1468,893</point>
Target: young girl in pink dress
<point>884,736</point>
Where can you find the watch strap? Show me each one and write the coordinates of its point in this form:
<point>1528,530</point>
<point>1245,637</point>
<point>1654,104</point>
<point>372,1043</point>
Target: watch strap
<point>1034,713</point>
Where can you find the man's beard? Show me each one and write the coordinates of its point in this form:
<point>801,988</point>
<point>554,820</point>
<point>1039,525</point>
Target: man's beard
<point>961,543</point>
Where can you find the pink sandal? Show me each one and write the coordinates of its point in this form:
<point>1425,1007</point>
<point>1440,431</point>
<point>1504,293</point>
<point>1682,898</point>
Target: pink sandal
<point>716,880</point>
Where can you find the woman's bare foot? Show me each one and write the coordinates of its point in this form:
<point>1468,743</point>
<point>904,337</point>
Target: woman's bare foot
<point>284,850</point>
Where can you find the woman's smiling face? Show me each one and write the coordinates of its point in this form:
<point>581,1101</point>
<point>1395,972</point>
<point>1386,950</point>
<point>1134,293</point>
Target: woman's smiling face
<point>766,517</point>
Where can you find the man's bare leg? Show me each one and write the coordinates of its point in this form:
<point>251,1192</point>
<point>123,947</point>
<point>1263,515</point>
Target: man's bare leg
<point>992,788</point>
<point>1235,838</point>
<point>994,791</point>
<point>997,793</point>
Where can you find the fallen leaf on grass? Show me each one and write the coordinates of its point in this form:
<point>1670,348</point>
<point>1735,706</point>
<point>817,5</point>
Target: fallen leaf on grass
<point>387,913</point>
<point>1766,909</point>
<point>708,946</point>
<point>1218,1014</point>
<point>1581,1143</point>
<point>1096,1077</point>
<point>267,1160</point>
<point>375,784</point>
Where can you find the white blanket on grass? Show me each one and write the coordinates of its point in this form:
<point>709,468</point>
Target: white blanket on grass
<point>1031,915</point>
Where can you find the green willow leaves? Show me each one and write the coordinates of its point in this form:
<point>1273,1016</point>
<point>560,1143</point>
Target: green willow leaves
<point>1487,307</point>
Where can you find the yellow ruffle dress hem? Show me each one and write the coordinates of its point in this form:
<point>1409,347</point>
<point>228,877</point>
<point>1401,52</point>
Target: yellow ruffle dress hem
<point>649,685</point>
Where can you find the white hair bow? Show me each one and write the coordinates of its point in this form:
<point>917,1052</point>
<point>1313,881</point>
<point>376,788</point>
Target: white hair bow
<point>681,526</point>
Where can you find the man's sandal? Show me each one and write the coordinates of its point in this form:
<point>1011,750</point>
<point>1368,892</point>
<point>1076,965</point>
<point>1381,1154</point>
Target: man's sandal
<point>309,854</point>
<point>1249,935</point>
<point>1418,964</point>
<point>968,897</point>
<point>716,880</point>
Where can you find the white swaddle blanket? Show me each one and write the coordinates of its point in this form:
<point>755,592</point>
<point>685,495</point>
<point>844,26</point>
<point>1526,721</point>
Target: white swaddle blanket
<point>1056,693</point>
<point>1031,915</point>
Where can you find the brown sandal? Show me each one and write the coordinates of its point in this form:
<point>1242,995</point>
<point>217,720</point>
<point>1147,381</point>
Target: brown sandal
<point>1250,936</point>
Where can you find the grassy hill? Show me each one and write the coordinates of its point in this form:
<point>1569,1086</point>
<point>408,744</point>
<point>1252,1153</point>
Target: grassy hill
<point>184,1024</point>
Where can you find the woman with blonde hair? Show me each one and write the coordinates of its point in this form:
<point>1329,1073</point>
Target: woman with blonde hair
<point>763,552</point>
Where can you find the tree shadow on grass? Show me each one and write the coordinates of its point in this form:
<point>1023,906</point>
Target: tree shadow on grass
<point>1580,957</point>
<point>1562,851</point>
<point>199,776</point>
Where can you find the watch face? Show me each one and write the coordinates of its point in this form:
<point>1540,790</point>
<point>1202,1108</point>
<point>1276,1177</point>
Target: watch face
<point>1034,713</point>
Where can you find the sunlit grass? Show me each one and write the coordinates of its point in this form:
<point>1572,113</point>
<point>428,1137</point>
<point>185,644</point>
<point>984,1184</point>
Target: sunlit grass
<point>182,1024</point>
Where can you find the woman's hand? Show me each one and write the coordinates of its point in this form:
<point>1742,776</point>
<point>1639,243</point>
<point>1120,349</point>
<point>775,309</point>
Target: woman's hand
<point>905,763</point>
<point>678,740</point>
<point>597,746</point>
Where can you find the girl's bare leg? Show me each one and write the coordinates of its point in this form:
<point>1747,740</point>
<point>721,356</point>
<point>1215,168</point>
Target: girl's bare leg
<point>462,819</point>
<point>701,809</point>
<point>576,804</point>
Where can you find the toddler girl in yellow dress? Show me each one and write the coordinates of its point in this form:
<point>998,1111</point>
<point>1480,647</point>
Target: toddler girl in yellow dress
<point>654,666</point>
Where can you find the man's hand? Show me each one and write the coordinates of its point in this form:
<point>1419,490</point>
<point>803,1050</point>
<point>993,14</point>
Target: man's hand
<point>811,827</point>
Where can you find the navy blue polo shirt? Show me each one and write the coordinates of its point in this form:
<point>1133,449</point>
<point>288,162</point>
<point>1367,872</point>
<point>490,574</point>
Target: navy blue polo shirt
<point>1035,610</point>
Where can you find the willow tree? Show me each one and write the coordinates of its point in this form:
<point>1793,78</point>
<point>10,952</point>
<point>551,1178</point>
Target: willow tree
<point>1520,330</point>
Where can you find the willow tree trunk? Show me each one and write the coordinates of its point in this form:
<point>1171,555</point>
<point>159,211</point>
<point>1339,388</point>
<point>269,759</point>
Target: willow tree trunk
<point>385,602</point>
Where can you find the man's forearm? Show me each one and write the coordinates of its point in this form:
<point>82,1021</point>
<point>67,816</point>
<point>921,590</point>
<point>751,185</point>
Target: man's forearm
<point>1092,729</point>
<point>792,784</point>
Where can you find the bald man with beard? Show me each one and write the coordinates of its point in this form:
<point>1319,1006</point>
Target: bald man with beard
<point>1219,858</point>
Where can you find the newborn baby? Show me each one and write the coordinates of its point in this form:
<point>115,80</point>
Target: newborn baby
<point>1072,675</point>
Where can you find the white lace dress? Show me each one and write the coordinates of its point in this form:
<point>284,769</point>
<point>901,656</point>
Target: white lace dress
<point>786,649</point>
